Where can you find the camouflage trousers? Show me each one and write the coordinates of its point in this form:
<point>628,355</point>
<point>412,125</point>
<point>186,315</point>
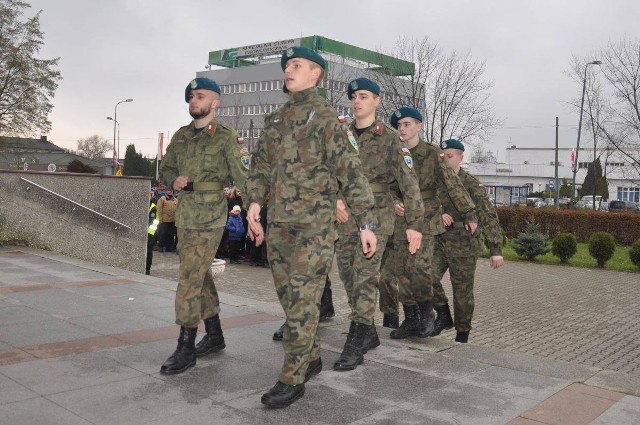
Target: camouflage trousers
<point>300,257</point>
<point>462,269</point>
<point>414,276</point>
<point>360,275</point>
<point>388,284</point>
<point>196,295</point>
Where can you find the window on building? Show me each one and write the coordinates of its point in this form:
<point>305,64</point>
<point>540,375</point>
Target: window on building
<point>584,165</point>
<point>629,194</point>
<point>615,164</point>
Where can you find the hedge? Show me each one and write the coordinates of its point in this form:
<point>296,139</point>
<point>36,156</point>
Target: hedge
<point>625,227</point>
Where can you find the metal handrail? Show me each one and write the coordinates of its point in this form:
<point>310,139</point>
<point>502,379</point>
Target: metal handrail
<point>74,203</point>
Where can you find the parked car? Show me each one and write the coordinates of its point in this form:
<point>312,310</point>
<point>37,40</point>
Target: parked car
<point>623,206</point>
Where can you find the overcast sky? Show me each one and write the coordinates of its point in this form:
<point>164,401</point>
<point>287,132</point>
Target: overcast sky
<point>149,50</point>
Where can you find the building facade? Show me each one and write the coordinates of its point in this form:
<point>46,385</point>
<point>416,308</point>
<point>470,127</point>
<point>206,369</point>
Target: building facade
<point>251,79</point>
<point>535,168</point>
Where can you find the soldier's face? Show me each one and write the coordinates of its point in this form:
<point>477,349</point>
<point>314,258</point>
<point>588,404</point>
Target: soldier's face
<point>364,103</point>
<point>202,103</point>
<point>409,128</point>
<point>299,74</point>
<point>455,157</point>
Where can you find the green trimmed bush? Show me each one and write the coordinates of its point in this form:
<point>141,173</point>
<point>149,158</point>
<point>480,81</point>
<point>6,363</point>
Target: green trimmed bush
<point>564,246</point>
<point>601,247</point>
<point>634,253</point>
<point>531,242</point>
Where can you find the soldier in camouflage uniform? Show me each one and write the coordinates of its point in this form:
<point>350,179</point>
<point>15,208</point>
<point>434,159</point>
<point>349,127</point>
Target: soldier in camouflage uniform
<point>200,156</point>
<point>386,162</point>
<point>457,250</point>
<point>302,158</point>
<point>434,172</point>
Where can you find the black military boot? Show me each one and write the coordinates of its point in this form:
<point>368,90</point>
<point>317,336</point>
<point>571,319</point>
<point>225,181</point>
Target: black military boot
<point>314,368</point>
<point>214,340</point>
<point>410,325</point>
<point>391,320</point>
<point>426,319</point>
<point>185,355</point>
<point>352,355</point>
<point>282,395</point>
<point>444,319</point>
<point>371,339</point>
<point>326,303</point>
<point>277,335</point>
<point>462,337</point>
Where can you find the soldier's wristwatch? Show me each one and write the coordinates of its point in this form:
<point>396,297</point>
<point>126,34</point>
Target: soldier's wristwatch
<point>368,226</point>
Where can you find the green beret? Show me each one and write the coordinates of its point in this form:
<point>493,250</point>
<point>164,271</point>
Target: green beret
<point>363,84</point>
<point>302,52</point>
<point>404,112</point>
<point>452,144</point>
<point>201,84</point>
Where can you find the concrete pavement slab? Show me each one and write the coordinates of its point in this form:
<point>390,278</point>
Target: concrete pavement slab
<point>39,411</point>
<point>43,332</point>
<point>11,391</point>
<point>625,412</point>
<point>132,401</point>
<point>16,314</point>
<point>51,376</point>
<point>108,324</point>
<point>211,414</point>
<point>616,381</point>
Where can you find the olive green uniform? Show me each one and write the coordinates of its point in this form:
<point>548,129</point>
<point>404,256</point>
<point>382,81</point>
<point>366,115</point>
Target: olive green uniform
<point>206,157</point>
<point>386,162</point>
<point>302,158</point>
<point>457,250</point>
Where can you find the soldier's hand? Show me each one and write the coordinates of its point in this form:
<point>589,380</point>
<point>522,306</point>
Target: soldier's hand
<point>180,182</point>
<point>341,212</point>
<point>256,232</point>
<point>369,243</point>
<point>415,239</point>
<point>399,209</point>
<point>447,219</point>
<point>471,226</point>
<point>496,261</point>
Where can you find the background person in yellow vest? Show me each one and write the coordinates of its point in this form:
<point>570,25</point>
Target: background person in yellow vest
<point>151,234</point>
<point>167,206</point>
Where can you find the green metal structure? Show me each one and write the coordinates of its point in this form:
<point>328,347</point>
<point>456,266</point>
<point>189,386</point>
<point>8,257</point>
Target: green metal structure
<point>253,55</point>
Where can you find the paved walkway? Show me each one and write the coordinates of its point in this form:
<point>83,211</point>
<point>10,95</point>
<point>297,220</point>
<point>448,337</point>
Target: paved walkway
<point>82,343</point>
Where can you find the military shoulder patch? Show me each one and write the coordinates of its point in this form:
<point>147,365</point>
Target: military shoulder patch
<point>211,129</point>
<point>246,161</point>
<point>342,119</point>
<point>481,186</point>
<point>244,151</point>
<point>240,140</point>
<point>405,150</point>
<point>409,161</point>
<point>352,140</point>
<point>379,129</point>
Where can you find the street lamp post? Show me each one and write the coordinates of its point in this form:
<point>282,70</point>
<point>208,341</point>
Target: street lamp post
<point>115,122</point>
<point>118,151</point>
<point>575,167</point>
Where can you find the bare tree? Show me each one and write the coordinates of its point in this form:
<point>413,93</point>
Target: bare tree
<point>480,155</point>
<point>448,88</point>
<point>621,127</point>
<point>93,147</point>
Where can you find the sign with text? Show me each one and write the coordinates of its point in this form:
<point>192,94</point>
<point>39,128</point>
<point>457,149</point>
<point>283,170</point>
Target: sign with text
<point>262,49</point>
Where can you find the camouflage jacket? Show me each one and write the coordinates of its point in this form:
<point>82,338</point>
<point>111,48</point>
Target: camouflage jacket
<point>435,174</point>
<point>459,239</point>
<point>302,158</point>
<point>209,155</point>
<point>387,164</point>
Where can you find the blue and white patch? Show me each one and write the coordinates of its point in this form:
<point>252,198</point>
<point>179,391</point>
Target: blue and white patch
<point>354,85</point>
<point>194,84</point>
<point>352,140</point>
<point>246,161</point>
<point>409,161</point>
<point>443,144</point>
<point>398,114</point>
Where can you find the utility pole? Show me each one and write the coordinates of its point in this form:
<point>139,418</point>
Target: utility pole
<point>556,182</point>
